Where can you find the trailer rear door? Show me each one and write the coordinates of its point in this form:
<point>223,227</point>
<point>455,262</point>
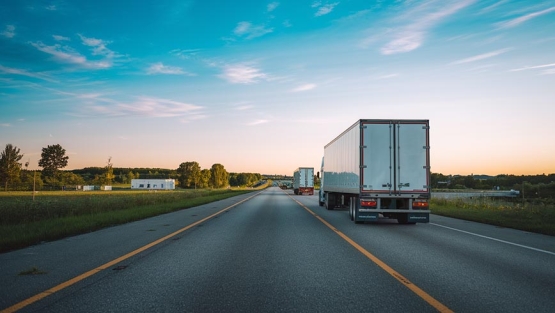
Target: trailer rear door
<point>395,156</point>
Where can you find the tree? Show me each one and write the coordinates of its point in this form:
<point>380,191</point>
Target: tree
<point>53,158</point>
<point>189,174</point>
<point>220,177</point>
<point>109,174</point>
<point>204,181</point>
<point>9,164</point>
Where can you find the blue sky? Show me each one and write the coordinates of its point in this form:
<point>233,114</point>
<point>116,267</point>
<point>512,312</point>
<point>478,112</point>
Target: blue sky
<point>264,86</point>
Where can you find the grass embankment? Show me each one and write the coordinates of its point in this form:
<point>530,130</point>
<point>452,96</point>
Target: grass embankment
<point>55,215</point>
<point>532,217</point>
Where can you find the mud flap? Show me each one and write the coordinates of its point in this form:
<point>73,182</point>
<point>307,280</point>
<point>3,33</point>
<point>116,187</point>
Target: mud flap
<point>366,216</point>
<point>418,217</point>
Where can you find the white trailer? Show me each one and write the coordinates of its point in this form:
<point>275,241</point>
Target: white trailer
<point>303,181</point>
<point>379,168</point>
<point>153,184</point>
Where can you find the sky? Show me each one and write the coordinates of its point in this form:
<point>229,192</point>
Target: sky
<point>263,86</point>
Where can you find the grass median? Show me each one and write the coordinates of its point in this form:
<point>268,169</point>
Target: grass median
<point>56,215</point>
<point>537,217</point>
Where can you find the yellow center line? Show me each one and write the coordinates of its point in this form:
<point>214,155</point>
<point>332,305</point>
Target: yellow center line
<point>81,277</point>
<point>421,293</point>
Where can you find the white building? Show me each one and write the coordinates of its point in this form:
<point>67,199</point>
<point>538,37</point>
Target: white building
<point>153,184</point>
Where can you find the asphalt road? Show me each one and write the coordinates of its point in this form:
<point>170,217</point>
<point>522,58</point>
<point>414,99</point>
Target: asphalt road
<point>273,252</point>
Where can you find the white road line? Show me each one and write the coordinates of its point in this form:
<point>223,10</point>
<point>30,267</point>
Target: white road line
<point>495,239</point>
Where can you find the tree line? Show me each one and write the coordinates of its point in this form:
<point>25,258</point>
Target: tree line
<point>15,176</point>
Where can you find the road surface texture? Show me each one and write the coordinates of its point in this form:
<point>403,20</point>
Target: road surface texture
<point>272,251</point>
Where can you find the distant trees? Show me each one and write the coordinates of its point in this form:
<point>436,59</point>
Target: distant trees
<point>244,179</point>
<point>9,165</point>
<point>204,181</point>
<point>188,174</point>
<point>219,176</point>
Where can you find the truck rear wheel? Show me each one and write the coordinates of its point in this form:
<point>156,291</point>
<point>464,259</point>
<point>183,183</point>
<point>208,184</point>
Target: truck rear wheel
<point>330,201</point>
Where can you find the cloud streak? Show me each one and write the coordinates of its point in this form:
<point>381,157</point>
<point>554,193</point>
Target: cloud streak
<point>481,57</point>
<point>428,15</point>
<point>16,71</point>
<point>305,87</point>
<point>532,67</point>
<point>323,9</point>
<point>67,55</point>
<point>146,107</point>
<point>257,122</point>
<point>272,6</point>
<point>242,74</point>
<point>519,20</point>
<point>250,31</point>
<point>160,68</point>
<point>9,32</point>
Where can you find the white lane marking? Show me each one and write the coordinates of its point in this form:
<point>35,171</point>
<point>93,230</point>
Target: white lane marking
<point>495,239</point>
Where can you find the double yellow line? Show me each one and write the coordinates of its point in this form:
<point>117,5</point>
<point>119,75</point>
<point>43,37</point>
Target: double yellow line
<point>419,292</point>
<point>81,277</point>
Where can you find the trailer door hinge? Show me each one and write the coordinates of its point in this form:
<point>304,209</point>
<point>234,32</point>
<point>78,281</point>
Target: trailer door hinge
<point>425,127</point>
<point>363,166</point>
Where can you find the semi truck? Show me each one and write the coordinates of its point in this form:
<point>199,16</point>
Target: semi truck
<point>379,169</point>
<point>303,181</point>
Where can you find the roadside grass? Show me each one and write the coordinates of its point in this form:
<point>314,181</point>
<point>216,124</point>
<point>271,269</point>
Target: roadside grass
<point>535,217</point>
<point>56,215</point>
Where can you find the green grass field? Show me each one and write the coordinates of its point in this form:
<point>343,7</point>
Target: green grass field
<point>535,217</point>
<point>55,215</point>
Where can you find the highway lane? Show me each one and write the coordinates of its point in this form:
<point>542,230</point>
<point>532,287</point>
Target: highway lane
<point>271,254</point>
<point>469,267</point>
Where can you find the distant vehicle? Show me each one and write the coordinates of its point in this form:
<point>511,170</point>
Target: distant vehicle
<point>379,168</point>
<point>303,181</point>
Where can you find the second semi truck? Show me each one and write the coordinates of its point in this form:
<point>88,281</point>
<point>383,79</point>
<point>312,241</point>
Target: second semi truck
<point>379,168</point>
<point>303,181</point>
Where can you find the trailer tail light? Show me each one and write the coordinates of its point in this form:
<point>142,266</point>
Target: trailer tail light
<point>420,204</point>
<point>369,203</point>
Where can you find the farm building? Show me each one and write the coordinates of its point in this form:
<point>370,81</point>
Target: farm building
<point>153,184</point>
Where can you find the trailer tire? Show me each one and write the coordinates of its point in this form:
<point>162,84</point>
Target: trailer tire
<point>329,198</point>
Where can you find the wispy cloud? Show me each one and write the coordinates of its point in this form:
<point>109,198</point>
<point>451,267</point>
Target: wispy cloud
<point>388,76</point>
<point>5,125</point>
<point>145,106</point>
<point>60,38</point>
<point>490,8</point>
<point>304,87</point>
<point>257,122</point>
<point>185,53</point>
<point>66,54</point>
<point>532,67</point>
<point>519,20</point>
<point>9,31</point>
<point>323,9</point>
<point>249,31</point>
<point>160,68</point>
<point>16,71</point>
<point>272,6</point>
<point>98,46</point>
<point>481,57</point>
<point>242,74</point>
<point>423,19</point>
<point>51,7</point>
